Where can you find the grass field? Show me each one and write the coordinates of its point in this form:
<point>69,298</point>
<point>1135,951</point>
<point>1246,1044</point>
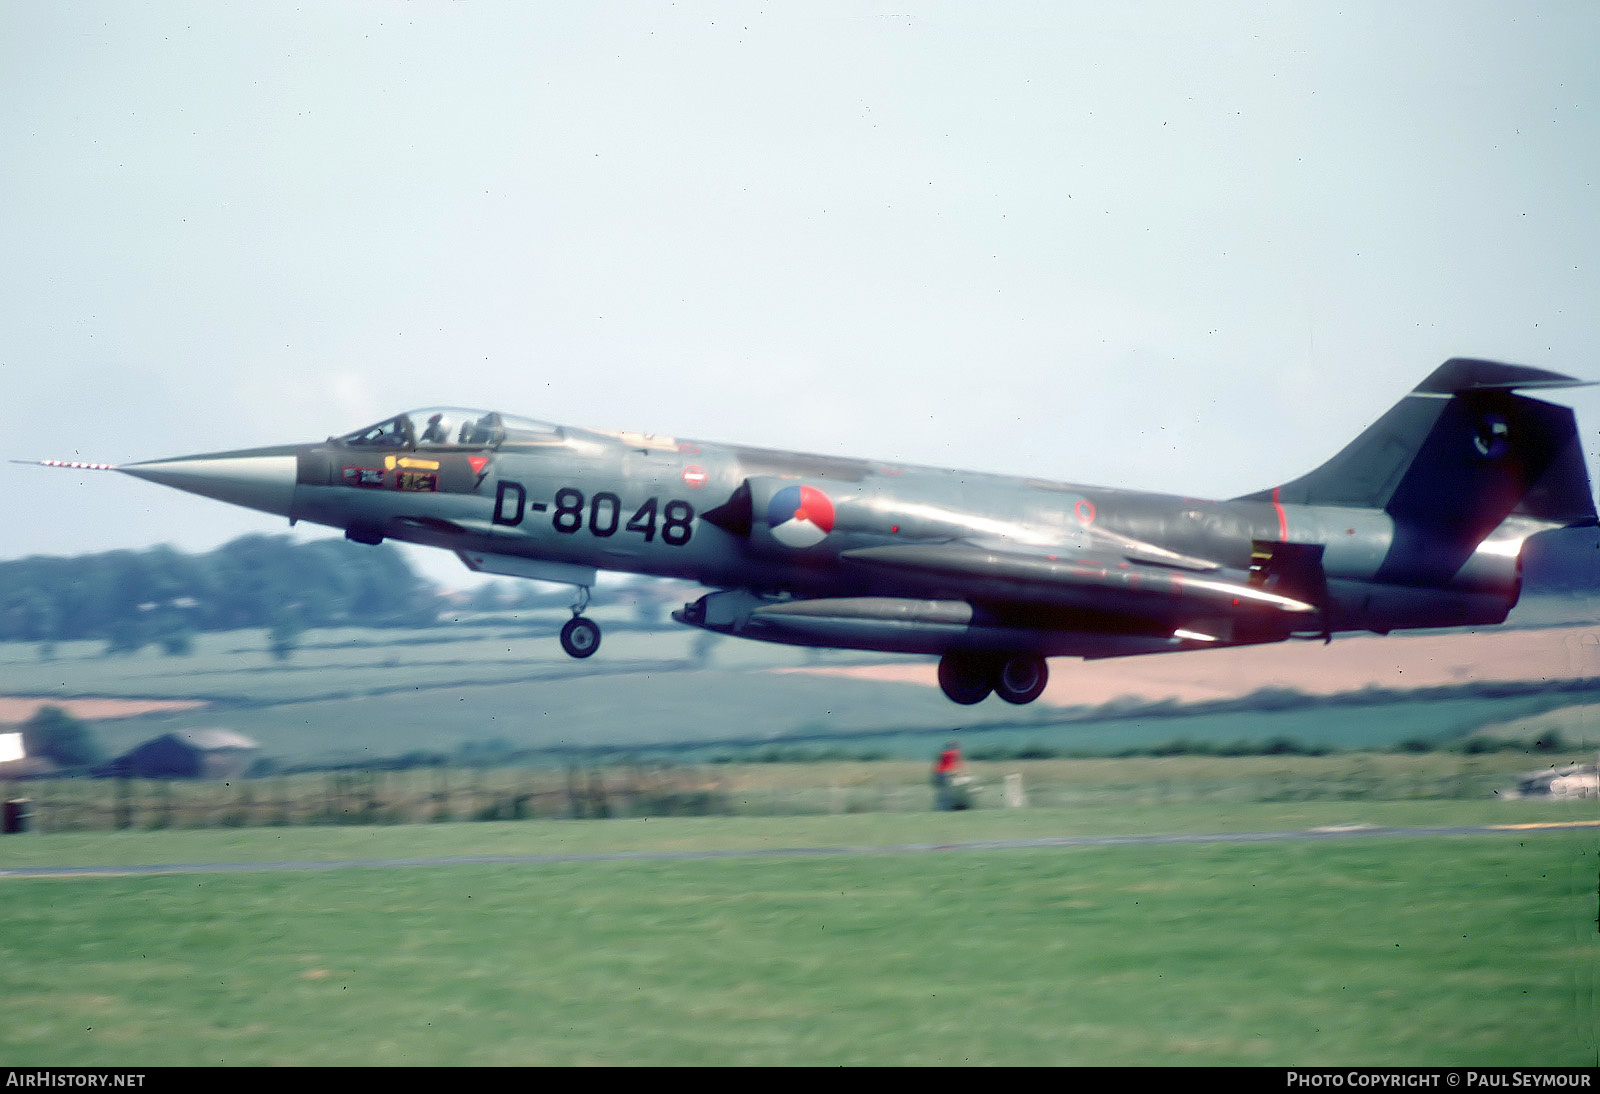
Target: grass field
<point>1478,949</point>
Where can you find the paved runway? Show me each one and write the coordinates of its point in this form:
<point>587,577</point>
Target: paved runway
<point>1333,833</point>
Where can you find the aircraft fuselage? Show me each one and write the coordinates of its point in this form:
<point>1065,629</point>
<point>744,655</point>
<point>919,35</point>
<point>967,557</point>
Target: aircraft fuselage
<point>1418,522</point>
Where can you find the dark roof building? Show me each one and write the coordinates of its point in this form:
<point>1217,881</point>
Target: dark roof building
<point>194,754</point>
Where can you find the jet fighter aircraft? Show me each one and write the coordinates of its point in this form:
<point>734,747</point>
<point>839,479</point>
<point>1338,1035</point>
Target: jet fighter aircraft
<point>1418,522</point>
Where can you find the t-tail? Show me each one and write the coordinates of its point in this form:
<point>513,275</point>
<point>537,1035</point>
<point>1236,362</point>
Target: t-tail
<point>1465,469</point>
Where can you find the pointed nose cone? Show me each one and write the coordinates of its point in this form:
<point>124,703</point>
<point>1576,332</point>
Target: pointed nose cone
<point>257,478</point>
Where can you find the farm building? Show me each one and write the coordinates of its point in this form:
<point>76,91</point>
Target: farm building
<point>15,763</point>
<point>196,754</point>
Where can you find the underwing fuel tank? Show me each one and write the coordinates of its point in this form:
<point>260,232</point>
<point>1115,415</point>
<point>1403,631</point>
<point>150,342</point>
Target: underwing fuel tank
<point>906,625</point>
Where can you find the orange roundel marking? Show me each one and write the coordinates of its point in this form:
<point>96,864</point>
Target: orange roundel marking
<point>1084,510</point>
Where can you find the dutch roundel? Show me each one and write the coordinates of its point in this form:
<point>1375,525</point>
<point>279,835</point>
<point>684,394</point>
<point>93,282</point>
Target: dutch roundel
<point>800,516</point>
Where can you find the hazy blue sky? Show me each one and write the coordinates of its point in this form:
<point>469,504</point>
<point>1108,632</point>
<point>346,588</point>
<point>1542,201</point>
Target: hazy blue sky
<point>1187,247</point>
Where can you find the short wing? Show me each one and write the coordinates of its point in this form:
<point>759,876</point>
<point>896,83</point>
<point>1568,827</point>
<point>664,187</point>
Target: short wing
<point>1076,579</point>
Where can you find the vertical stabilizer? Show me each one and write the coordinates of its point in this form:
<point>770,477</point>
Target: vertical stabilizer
<point>1453,459</point>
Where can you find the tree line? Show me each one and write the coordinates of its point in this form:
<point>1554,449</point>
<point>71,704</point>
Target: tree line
<point>162,596</point>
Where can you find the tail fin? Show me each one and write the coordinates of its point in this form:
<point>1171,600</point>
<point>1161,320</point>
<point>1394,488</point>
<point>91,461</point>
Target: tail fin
<point>1457,456</point>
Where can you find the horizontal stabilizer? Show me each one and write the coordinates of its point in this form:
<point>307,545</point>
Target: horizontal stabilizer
<point>1470,374</point>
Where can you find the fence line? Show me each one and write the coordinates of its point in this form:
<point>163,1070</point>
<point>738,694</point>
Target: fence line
<point>443,793</point>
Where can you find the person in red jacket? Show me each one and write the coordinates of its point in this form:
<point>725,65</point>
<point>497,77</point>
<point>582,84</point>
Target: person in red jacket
<point>946,767</point>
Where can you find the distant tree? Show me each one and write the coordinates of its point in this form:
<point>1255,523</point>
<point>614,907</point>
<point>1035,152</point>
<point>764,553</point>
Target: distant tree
<point>177,640</point>
<point>488,597</point>
<point>704,643</point>
<point>534,595</point>
<point>125,636</point>
<point>132,599</point>
<point>58,736</point>
<point>256,577</point>
<point>283,638</point>
<point>29,615</point>
<point>648,605</point>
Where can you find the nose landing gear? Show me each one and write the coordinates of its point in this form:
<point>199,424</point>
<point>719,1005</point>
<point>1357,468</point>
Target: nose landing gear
<point>580,637</point>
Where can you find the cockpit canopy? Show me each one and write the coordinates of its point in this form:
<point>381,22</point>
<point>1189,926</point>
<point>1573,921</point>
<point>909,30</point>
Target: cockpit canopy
<point>451,427</point>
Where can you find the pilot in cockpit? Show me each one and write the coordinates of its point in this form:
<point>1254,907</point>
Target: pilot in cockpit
<point>435,433</point>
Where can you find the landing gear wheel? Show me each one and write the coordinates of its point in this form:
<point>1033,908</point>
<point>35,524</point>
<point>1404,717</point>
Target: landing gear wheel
<point>580,637</point>
<point>965,677</point>
<point>1021,679</point>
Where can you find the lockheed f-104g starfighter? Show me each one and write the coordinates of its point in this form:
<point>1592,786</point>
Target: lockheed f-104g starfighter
<point>1418,522</point>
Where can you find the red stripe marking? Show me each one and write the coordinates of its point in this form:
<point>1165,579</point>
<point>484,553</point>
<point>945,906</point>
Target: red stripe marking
<point>1283,519</point>
<point>79,466</point>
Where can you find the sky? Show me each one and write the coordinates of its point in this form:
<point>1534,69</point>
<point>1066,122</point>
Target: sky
<point>1173,246</point>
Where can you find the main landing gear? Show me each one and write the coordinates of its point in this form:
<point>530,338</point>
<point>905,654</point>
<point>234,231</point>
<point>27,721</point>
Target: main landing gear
<point>968,678</point>
<point>580,637</point>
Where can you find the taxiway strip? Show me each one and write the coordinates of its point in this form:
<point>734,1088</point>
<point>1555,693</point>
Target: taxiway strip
<point>1064,842</point>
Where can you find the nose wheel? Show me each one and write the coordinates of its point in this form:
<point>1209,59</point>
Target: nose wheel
<point>580,637</point>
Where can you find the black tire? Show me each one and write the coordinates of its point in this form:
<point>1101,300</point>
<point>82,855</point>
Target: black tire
<point>966,678</point>
<point>580,637</point>
<point>1021,679</point>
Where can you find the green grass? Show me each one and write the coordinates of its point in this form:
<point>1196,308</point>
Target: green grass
<point>1477,950</point>
<point>1110,817</point>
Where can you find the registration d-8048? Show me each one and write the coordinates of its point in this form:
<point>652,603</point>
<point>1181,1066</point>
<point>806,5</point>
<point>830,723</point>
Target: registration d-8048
<point>602,514</point>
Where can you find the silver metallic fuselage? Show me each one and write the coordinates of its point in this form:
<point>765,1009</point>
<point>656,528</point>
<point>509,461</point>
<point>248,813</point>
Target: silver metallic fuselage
<point>508,515</point>
<point>1417,522</point>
